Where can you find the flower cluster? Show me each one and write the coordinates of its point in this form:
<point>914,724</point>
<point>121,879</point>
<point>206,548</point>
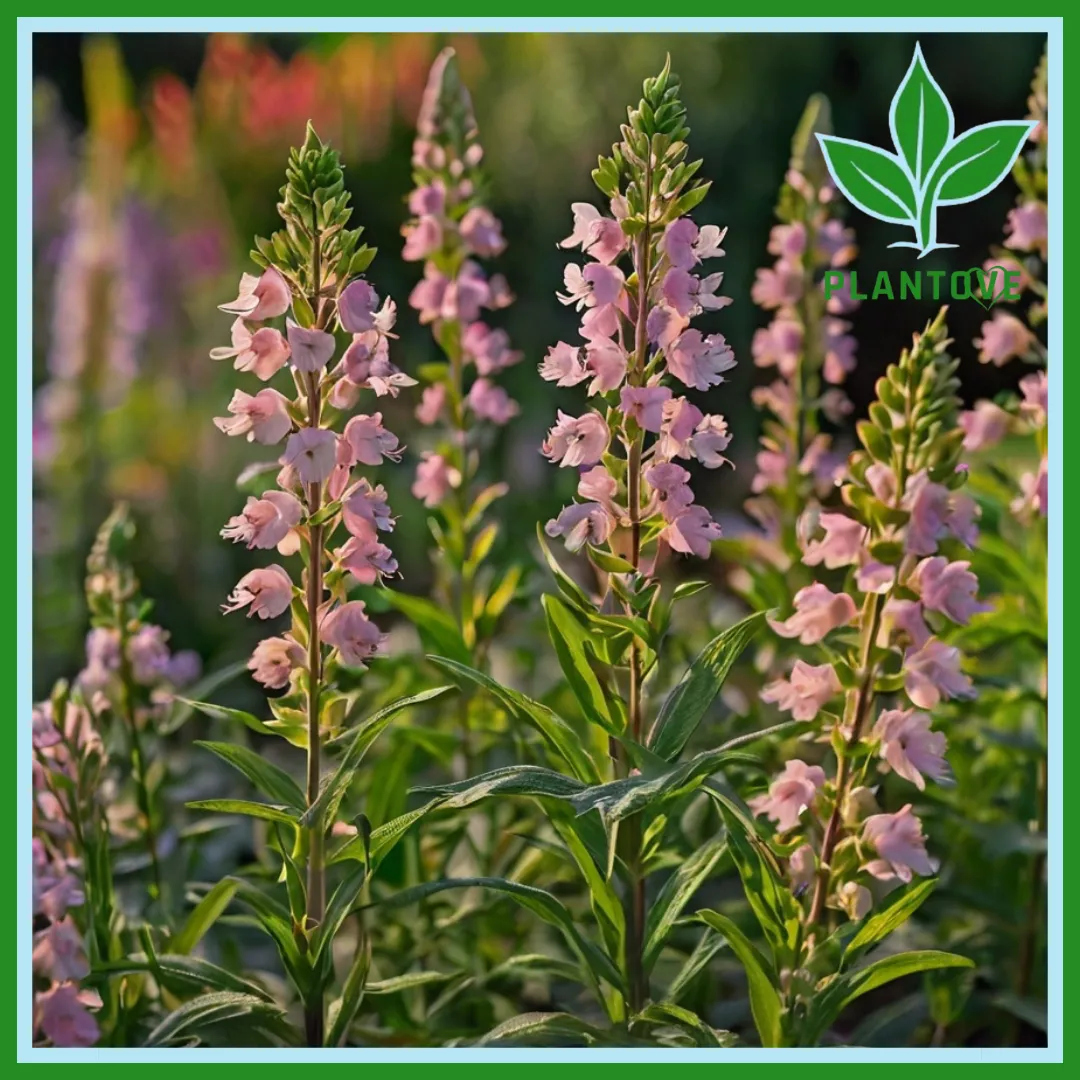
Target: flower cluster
<point>904,521</point>
<point>449,231</point>
<point>311,269</point>
<point>807,341</point>
<point>636,340</point>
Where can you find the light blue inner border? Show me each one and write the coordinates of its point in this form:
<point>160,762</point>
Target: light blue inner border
<point>27,26</point>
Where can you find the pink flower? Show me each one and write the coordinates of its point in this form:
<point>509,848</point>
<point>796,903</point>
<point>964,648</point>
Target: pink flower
<point>52,898</point>
<point>910,747</point>
<point>434,478</point>
<point>1003,337</point>
<point>841,545</point>
<point>839,351</point>
<point>429,199</point>
<point>802,868</point>
<point>779,344</point>
<point>367,364</point>
<point>787,241</point>
<point>273,661</point>
<point>263,297</point>
<point>645,405</point>
<point>1035,389</point>
<point>311,349</point>
<point>148,651</point>
<point>312,452</point>
<point>929,504</point>
<point>264,353</point>
<point>898,839</point>
<point>817,612</point>
<point>692,532</point>
<point>353,634</point>
<point>700,361</point>
<point>365,510</point>
<point>677,243</point>
<point>429,294</point>
<point>984,426</point>
<point>689,295</point>
<point>595,286</point>
<point>681,420</point>
<point>906,616</point>
<point>790,794</point>
<point>598,485</point>
<point>366,559</point>
<point>932,672</point>
<point>369,441</point>
<point>490,349</point>
<point>581,523</point>
<point>1034,492</point>
<point>855,900</point>
<point>264,522</point>
<point>357,306</point>
<point>710,440</point>
<point>482,233</point>
<point>805,691</point>
<point>606,361</point>
<point>835,243</point>
<point>781,286</point>
<point>663,325</point>
<point>262,417</point>
<point>466,294</point>
<point>432,402</point>
<point>598,236</point>
<point>59,952</point>
<point>422,238</point>
<point>772,471</point>
<point>949,588</point>
<point>491,402</point>
<point>62,1016</point>
<point>1027,228</point>
<point>564,365</point>
<point>577,441</point>
<point>268,590</point>
<point>670,484</point>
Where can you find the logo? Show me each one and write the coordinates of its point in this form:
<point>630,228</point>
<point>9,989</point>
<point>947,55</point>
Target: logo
<point>932,166</point>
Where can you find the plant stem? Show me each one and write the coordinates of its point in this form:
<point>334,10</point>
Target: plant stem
<point>1032,920</point>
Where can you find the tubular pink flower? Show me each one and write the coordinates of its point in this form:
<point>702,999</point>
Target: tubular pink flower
<point>432,404</point>
<point>692,532</point>
<point>369,441</point>
<point>491,402</point>
<point>482,232</point>
<point>62,1015</point>
<point>841,545</point>
<point>366,559</point>
<point>264,522</point>
<point>932,672</point>
<point>818,611</point>
<point>710,439</point>
<point>268,591</point>
<point>59,952</point>
<point>262,417</point>
<point>645,405</point>
<point>435,476</point>
<point>791,793</point>
<point>263,353</point>
<point>365,510</point>
<point>312,452</point>
<point>949,588</point>
<point>260,298</point>
<point>985,425</point>
<point>806,690</point>
<point>910,748</point>
<point>311,349</point>
<point>274,660</point>
<point>1003,338</point>
<point>700,361</point>
<point>576,441</point>
<point>670,483</point>
<point>353,634</point>
<point>898,839</point>
<point>581,523</point>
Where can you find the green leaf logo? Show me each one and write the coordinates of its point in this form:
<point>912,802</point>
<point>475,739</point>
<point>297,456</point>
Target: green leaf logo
<point>931,167</point>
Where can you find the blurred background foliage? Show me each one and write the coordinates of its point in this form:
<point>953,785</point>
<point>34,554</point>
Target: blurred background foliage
<point>157,157</point>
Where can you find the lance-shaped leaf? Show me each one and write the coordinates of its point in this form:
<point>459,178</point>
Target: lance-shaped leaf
<point>509,780</point>
<point>978,161</point>
<point>342,1012</point>
<point>283,815</point>
<point>341,903</point>
<point>210,1009</point>
<point>179,974</point>
<point>878,925</point>
<point>920,120</point>
<point>871,179</point>
<point>436,627</point>
<point>268,778</point>
<point>205,914</point>
<point>686,705</point>
<point>542,1029</point>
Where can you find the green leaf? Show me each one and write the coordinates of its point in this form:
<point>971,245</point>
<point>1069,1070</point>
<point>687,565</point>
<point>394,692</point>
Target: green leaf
<point>687,589</point>
<point>613,564</point>
<point>920,119</point>
<point>569,638</point>
<point>220,712</point>
<point>877,926</point>
<point>434,624</point>
<point>978,161</point>
<point>268,778</point>
<point>277,922</point>
<point>675,895</point>
<point>567,586</point>
<point>666,1014</point>
<point>764,989</point>
<point>709,944</point>
<point>180,973</point>
<point>182,708</point>
<point>284,815</point>
<point>204,915</point>
<point>325,806</point>
<point>409,981</point>
<point>528,780</point>
<point>207,1010</point>
<point>560,736</point>
<point>541,1029</point>
<point>596,963</point>
<point>382,839</point>
<point>344,1010</point>
<point>686,705</point>
<point>337,910</point>
<point>871,179</point>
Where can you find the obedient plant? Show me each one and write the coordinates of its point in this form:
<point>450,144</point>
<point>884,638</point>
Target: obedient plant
<point>311,274</point>
<point>874,672</point>
<point>451,228</point>
<point>622,767</point>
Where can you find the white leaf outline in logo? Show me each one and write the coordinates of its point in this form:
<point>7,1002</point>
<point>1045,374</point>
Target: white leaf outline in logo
<point>825,140</point>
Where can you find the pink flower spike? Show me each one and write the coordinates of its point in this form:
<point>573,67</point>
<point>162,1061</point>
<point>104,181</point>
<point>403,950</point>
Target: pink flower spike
<point>263,297</point>
<point>265,522</point>
<point>581,523</point>
<point>357,306</point>
<point>274,660</point>
<point>311,349</point>
<point>370,442</point>
<point>818,612</point>
<point>692,532</point>
<point>910,748</point>
<point>268,591</point>
<point>262,417</point>
<point>482,233</point>
<point>645,405</point>
<point>805,691</point>
<point>949,588</point>
<point>576,441</point>
<point>791,793</point>
<point>841,545</point>
<point>491,402</point>
<point>932,672</point>
<point>353,634</point>
<point>434,478</point>
<point>312,452</point>
<point>422,238</point>
<point>898,839</point>
<point>264,353</point>
<point>366,559</point>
